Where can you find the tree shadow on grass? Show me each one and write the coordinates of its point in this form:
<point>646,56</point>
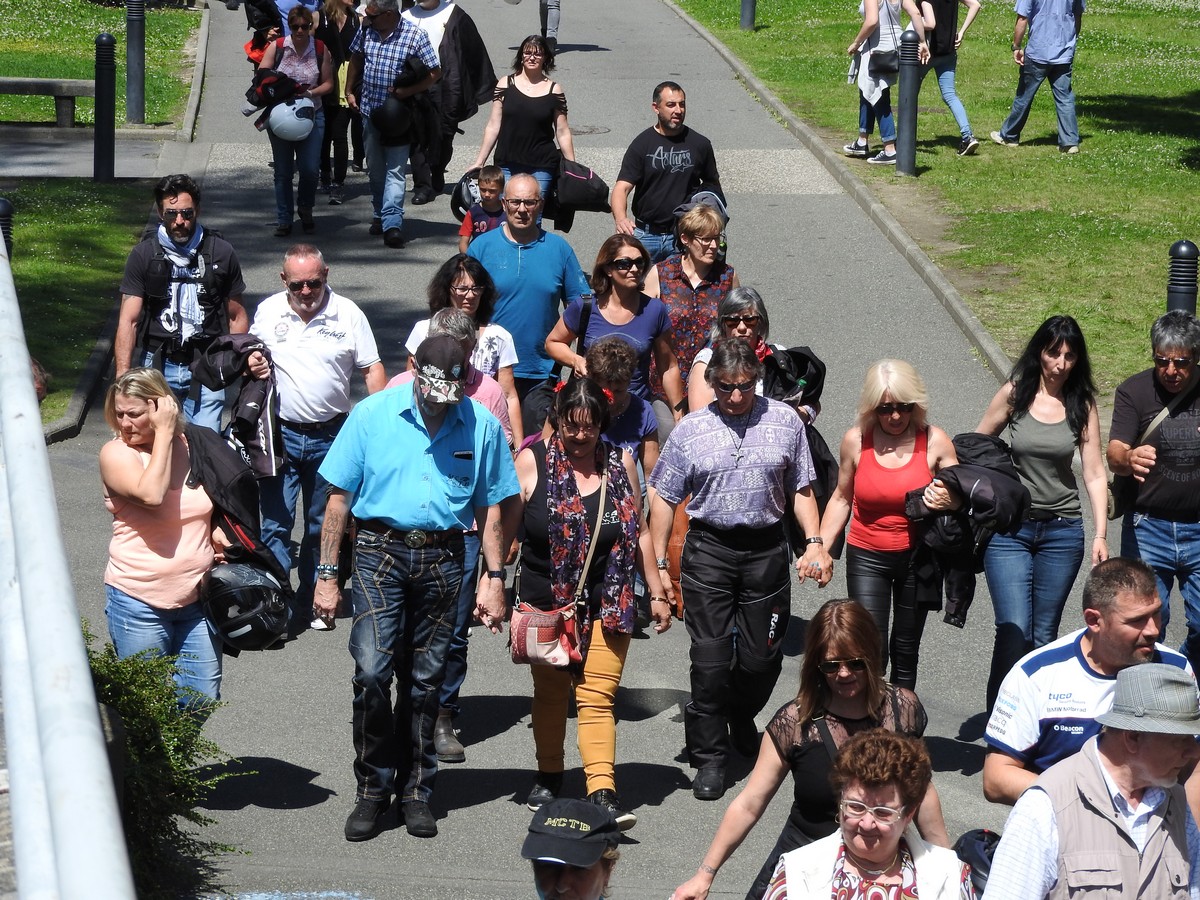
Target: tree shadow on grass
<point>1177,116</point>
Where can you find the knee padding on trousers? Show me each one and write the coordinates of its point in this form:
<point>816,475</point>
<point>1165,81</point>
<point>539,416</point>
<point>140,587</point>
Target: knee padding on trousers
<point>716,654</point>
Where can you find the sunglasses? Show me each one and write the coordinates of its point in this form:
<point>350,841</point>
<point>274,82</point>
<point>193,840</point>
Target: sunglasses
<point>1181,362</point>
<point>886,409</point>
<point>522,202</point>
<point>884,815</point>
<point>464,290</point>
<point>170,215</point>
<point>625,263</point>
<point>833,666</point>
<point>726,387</point>
<point>734,321</point>
<point>303,26</point>
<point>313,284</point>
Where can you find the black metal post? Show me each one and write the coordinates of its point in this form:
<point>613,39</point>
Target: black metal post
<point>135,61</point>
<point>6,216</point>
<point>104,152</point>
<point>1181,277</point>
<point>748,11</point>
<point>906,119</point>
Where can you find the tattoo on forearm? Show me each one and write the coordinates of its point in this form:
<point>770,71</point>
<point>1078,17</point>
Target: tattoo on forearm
<point>331,534</point>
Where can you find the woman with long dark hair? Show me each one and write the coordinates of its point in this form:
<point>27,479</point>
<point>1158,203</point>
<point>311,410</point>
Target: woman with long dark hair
<point>1045,410</point>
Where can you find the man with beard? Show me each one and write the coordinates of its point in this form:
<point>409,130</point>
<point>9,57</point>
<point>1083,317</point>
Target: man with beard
<point>182,287</point>
<point>664,166</point>
<point>1048,703</point>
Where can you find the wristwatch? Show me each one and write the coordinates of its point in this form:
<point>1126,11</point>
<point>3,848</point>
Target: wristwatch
<point>496,573</point>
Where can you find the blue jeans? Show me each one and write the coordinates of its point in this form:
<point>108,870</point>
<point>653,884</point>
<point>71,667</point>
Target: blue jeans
<point>135,626</point>
<point>659,246</point>
<point>550,17</point>
<point>456,656</point>
<point>385,171</point>
<point>404,604</point>
<point>943,67</point>
<point>881,112</point>
<point>1172,550</point>
<point>1030,575</point>
<point>206,409</point>
<point>304,452</point>
<point>1033,73</point>
<point>289,156</point>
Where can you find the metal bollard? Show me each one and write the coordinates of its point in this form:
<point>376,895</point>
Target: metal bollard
<point>6,216</point>
<point>1181,277</point>
<point>748,11</point>
<point>135,61</point>
<point>906,118</point>
<point>104,150</point>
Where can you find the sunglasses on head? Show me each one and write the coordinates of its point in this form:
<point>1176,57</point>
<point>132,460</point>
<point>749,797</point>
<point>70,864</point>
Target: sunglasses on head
<point>625,263</point>
<point>726,387</point>
<point>313,284</point>
<point>833,666</point>
<point>169,215</point>
<point>886,409</point>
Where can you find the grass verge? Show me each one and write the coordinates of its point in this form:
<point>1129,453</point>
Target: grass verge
<point>1025,232</point>
<point>57,39</point>
<point>70,240</point>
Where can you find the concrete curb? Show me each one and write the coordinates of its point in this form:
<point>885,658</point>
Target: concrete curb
<point>994,357</point>
<point>70,422</point>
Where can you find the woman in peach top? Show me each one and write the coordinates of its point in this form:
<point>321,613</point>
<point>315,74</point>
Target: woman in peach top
<point>162,541</point>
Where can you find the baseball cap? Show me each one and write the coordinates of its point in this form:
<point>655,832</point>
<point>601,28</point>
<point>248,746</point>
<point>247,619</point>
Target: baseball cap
<point>570,832</point>
<point>441,367</point>
<point>1154,697</point>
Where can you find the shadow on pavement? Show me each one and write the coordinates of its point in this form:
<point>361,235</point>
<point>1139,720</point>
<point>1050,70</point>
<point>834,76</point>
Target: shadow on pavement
<point>639,704</point>
<point>264,782</point>
<point>953,755</point>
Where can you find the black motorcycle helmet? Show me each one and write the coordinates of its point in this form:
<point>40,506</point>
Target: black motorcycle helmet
<point>976,848</point>
<point>465,195</point>
<point>245,605</point>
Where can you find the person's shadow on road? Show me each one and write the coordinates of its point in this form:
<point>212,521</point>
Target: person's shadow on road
<point>264,782</point>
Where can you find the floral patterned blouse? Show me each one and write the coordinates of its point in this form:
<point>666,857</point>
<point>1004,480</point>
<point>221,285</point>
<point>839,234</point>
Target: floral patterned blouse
<point>692,310</point>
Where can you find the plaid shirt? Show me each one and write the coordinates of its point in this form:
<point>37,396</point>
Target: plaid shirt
<point>384,58</point>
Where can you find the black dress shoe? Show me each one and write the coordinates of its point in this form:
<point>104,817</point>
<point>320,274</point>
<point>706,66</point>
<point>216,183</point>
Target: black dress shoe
<point>364,823</point>
<point>545,789</point>
<point>393,238</point>
<point>743,735</point>
<point>423,195</point>
<point>418,819</point>
<point>376,227</point>
<point>709,783</point>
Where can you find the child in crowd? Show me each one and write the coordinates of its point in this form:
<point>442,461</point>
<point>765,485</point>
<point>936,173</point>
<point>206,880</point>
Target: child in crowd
<point>632,425</point>
<point>488,213</point>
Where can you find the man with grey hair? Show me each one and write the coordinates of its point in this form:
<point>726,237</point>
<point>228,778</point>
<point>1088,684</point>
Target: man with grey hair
<point>1155,437</point>
<point>1113,820</point>
<point>316,339</point>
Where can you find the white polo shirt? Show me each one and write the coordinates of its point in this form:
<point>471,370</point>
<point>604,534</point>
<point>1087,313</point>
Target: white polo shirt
<point>315,360</point>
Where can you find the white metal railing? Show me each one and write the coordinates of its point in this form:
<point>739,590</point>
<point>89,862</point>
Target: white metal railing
<point>67,837</point>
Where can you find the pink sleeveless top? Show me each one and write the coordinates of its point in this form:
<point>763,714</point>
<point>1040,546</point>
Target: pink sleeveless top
<point>879,522</point>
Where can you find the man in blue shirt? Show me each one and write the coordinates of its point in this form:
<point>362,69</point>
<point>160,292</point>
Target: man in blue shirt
<point>1053,26</point>
<point>414,466</point>
<point>535,273</point>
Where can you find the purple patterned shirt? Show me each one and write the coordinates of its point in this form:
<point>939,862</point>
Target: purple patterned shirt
<point>740,472</point>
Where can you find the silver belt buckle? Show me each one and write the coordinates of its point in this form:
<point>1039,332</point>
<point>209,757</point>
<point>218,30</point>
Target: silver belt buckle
<point>415,539</point>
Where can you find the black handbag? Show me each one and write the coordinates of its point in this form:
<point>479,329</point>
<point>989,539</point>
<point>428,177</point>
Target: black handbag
<point>886,62</point>
<point>580,188</point>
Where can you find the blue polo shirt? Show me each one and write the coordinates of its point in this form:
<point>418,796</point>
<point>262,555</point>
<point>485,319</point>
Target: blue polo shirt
<point>385,458</point>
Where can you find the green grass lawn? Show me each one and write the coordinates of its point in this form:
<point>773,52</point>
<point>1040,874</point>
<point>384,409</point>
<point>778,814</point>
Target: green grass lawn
<point>57,39</point>
<point>1031,231</point>
<point>67,277</point>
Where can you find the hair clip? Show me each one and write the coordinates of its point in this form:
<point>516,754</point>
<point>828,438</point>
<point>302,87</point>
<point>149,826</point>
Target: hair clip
<point>558,387</point>
<point>609,395</point>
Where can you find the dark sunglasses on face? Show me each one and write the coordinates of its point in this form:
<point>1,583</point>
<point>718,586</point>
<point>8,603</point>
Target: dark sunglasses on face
<point>833,666</point>
<point>726,387</point>
<point>1181,362</point>
<point>734,321</point>
<point>169,215</point>
<point>886,409</point>
<point>313,284</point>
<point>625,263</point>
<point>302,26</point>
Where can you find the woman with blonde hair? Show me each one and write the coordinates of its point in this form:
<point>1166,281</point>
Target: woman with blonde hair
<point>162,537</point>
<point>889,452</point>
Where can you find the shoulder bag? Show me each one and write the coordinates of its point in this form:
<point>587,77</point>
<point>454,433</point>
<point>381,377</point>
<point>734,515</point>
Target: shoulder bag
<point>886,62</point>
<point>554,637</point>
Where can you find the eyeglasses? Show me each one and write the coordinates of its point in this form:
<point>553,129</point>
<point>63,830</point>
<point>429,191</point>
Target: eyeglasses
<point>522,202</point>
<point>625,263</point>
<point>734,321</point>
<point>463,290</point>
<point>884,815</point>
<point>532,54</point>
<point>304,26</point>
<point>577,428</point>
<point>714,239</point>
<point>1181,362</point>
<point>833,666</point>
<point>313,284</point>
<point>170,215</point>
<point>726,387</point>
<point>886,409</point>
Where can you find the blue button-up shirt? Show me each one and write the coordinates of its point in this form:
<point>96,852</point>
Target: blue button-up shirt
<point>398,474</point>
<point>384,58</point>
<point>1051,29</point>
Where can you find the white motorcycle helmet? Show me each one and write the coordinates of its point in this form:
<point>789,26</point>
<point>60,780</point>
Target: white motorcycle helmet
<point>293,120</point>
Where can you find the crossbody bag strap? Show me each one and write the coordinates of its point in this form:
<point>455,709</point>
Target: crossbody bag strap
<point>587,563</point>
<point>1167,410</point>
<point>826,737</point>
<point>585,316</point>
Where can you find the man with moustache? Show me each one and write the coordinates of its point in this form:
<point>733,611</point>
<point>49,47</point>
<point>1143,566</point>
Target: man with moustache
<point>664,166</point>
<point>1048,703</point>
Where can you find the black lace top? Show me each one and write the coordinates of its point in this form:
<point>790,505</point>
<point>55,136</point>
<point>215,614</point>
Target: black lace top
<point>802,746</point>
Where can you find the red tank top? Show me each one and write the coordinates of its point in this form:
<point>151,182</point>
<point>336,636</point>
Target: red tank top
<point>879,522</point>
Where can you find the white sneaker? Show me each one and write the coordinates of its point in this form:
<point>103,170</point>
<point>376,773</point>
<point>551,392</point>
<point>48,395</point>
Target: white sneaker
<point>323,624</point>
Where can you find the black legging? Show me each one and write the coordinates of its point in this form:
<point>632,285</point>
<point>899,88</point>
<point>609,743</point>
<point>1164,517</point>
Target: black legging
<point>877,579</point>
